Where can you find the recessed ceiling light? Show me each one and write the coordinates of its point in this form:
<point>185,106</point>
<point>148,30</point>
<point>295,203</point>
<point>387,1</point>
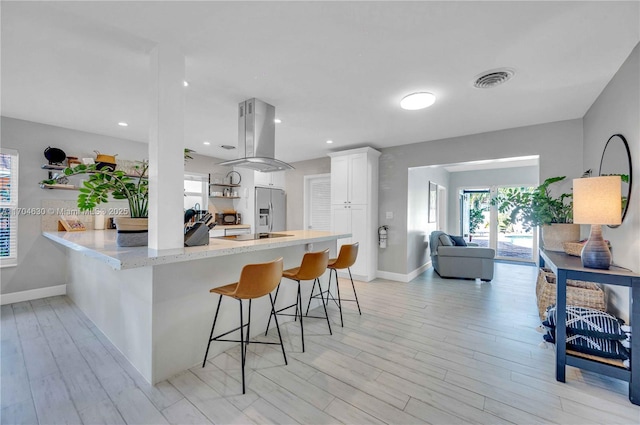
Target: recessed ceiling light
<point>277,120</point>
<point>185,83</point>
<point>206,143</point>
<point>123,124</point>
<point>329,141</point>
<point>415,101</point>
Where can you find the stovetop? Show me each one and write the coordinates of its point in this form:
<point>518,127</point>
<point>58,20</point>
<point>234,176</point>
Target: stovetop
<point>253,236</point>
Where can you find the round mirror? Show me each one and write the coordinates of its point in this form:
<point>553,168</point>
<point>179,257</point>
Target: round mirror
<point>616,161</point>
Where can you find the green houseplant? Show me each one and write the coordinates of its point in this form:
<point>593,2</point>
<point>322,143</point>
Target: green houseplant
<point>134,188</point>
<point>537,207</point>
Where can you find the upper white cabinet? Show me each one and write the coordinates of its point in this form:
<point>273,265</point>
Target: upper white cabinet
<point>350,179</point>
<point>275,179</point>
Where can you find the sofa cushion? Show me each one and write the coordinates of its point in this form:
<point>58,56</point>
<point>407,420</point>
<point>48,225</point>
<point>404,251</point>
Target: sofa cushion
<point>607,348</point>
<point>589,322</point>
<point>458,240</point>
<point>445,240</point>
<point>466,251</point>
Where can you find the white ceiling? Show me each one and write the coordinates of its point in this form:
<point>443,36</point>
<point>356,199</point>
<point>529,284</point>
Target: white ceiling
<point>333,70</point>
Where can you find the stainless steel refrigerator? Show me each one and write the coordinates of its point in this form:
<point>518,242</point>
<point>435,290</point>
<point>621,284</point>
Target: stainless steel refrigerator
<point>270,210</point>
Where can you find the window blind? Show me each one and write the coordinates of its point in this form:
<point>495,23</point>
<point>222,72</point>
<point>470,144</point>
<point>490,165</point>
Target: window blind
<point>8,207</point>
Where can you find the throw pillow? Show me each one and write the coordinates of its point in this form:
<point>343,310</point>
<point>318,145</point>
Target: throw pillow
<point>606,348</point>
<point>458,240</point>
<point>445,240</point>
<point>589,322</point>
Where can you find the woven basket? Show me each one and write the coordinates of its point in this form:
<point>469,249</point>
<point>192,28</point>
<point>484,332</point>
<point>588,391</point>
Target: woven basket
<point>573,248</point>
<point>579,292</point>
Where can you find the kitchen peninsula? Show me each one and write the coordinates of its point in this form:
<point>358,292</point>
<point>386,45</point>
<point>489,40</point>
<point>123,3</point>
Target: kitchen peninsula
<point>155,307</point>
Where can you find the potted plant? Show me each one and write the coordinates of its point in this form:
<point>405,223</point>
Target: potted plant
<point>133,230</point>
<point>537,207</point>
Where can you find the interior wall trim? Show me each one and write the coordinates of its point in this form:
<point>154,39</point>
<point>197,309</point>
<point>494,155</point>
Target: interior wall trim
<point>33,294</point>
<point>399,277</point>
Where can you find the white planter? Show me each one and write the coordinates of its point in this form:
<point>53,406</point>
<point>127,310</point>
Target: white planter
<point>553,235</point>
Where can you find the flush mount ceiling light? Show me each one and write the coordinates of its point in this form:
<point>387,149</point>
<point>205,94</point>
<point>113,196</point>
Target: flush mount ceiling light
<point>185,83</point>
<point>122,124</point>
<point>493,78</point>
<point>329,141</point>
<point>277,120</point>
<point>206,143</point>
<point>419,100</point>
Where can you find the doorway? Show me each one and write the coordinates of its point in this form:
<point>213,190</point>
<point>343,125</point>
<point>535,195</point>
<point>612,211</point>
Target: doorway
<point>481,223</point>
<point>317,202</point>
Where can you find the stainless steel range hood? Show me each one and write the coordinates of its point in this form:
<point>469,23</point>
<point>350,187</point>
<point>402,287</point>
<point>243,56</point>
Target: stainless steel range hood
<point>256,138</point>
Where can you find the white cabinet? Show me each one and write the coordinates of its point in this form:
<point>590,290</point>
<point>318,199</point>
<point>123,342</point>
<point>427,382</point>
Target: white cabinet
<point>275,179</point>
<point>350,179</point>
<point>354,205</point>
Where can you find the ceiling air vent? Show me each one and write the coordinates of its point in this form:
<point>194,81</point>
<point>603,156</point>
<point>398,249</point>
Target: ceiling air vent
<point>490,79</point>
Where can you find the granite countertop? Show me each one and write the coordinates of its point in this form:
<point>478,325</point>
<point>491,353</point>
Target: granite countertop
<point>101,244</point>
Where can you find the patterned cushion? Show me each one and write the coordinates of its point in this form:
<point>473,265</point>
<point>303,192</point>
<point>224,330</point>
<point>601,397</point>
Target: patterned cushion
<point>445,240</point>
<point>458,240</point>
<point>588,322</point>
<point>606,348</point>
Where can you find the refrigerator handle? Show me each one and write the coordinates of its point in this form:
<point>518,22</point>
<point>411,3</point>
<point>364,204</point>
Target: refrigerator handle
<point>270,216</point>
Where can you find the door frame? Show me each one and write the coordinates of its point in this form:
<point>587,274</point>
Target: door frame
<point>306,196</point>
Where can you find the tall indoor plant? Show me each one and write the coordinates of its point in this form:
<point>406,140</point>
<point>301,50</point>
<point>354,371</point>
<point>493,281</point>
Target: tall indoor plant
<point>538,207</point>
<point>131,187</point>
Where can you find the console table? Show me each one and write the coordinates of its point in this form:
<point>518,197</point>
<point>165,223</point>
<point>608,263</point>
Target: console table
<point>570,267</point>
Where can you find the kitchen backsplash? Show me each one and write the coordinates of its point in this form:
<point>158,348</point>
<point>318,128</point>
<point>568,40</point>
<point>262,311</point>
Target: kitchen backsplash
<point>54,208</point>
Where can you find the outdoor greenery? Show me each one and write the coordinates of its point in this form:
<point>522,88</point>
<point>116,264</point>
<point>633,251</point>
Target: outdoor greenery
<point>476,212</point>
<point>102,182</point>
<point>534,207</point>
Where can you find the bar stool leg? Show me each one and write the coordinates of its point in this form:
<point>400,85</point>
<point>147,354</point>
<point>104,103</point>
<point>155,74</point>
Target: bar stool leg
<point>273,302</point>
<point>300,304</point>
<point>275,318</point>
<point>242,351</point>
<point>323,304</point>
<point>339,299</point>
<point>311,296</point>
<point>248,329</point>
<point>354,290</point>
<point>215,318</point>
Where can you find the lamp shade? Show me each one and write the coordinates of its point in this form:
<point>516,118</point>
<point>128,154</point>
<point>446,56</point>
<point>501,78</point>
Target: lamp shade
<point>597,200</point>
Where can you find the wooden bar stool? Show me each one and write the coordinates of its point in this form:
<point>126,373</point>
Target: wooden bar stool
<point>314,264</point>
<point>256,280</point>
<point>346,258</point>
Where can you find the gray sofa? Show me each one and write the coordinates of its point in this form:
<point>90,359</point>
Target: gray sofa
<point>468,262</point>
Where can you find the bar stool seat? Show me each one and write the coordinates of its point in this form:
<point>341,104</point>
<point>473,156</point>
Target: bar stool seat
<point>256,281</point>
<point>313,265</point>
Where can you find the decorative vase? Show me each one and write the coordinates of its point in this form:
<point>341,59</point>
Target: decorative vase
<point>553,235</point>
<point>132,231</point>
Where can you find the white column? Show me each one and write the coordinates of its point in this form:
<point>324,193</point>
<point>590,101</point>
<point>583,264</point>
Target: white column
<point>166,147</point>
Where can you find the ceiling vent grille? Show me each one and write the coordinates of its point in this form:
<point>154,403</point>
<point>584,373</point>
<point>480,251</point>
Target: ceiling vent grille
<point>490,79</point>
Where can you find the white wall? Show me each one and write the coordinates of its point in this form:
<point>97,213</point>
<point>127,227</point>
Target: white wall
<point>41,263</point>
<point>558,144</point>
<point>418,226</point>
<point>617,110</point>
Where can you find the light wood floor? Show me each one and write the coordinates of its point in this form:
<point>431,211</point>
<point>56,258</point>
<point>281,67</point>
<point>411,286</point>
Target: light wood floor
<point>429,351</point>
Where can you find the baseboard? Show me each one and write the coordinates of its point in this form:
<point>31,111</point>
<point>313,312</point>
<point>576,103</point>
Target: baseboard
<point>32,294</point>
<point>399,277</point>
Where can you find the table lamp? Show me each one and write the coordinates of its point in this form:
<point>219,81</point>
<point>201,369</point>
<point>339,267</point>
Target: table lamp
<point>597,201</point>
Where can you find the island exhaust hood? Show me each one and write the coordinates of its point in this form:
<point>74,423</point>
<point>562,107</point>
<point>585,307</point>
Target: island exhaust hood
<point>257,138</point>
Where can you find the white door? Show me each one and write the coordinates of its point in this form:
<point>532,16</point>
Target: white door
<point>317,202</point>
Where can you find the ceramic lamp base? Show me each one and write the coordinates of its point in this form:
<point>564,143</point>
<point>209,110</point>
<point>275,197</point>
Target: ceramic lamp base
<point>596,254</point>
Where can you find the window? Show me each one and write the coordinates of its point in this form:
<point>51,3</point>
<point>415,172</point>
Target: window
<point>8,207</point>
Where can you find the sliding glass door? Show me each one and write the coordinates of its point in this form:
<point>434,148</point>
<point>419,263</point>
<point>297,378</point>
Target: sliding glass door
<point>481,223</point>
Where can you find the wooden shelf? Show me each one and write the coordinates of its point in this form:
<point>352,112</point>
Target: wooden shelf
<point>62,167</point>
<point>224,185</point>
<point>59,186</point>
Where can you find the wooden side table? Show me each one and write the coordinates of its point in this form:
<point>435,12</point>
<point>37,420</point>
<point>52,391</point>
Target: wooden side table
<point>570,267</point>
